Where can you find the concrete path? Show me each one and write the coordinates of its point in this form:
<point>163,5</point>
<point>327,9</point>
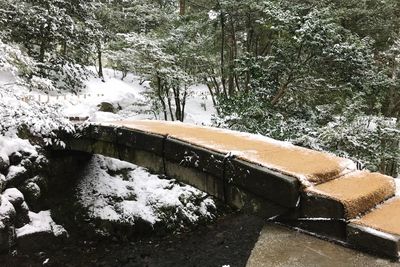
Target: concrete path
<point>282,247</point>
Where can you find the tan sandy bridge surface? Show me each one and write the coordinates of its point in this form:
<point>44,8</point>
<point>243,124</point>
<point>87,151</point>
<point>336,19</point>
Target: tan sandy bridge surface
<point>358,191</point>
<point>385,218</point>
<point>304,164</point>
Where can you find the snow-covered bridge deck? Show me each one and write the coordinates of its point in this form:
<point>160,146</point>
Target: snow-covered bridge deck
<point>308,189</point>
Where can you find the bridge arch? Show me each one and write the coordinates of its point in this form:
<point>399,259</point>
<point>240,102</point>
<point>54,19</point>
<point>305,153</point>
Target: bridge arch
<point>311,190</point>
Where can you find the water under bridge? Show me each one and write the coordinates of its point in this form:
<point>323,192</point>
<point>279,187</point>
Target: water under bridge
<point>310,190</point>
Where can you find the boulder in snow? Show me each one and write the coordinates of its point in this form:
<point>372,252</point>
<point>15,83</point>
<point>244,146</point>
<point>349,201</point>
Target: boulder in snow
<point>4,163</point>
<point>27,164</point>
<point>2,183</point>
<point>7,230</point>
<point>40,232</point>
<point>22,216</point>
<point>15,196</point>
<point>7,213</point>
<point>31,191</point>
<point>16,175</point>
<point>7,238</point>
<point>15,158</point>
<point>107,107</point>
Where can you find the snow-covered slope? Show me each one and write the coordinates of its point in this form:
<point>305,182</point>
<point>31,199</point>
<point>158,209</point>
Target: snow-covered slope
<point>128,97</point>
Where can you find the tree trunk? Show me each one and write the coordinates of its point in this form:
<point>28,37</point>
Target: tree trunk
<point>281,92</point>
<point>161,98</point>
<point>178,113</point>
<point>99,58</point>
<point>182,7</point>
<point>64,48</point>
<point>183,105</point>
<point>232,65</point>
<point>169,104</point>
<point>222,52</point>
<point>210,89</point>
<point>42,51</point>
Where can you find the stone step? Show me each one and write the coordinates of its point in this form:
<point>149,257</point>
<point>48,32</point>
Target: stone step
<point>379,230</point>
<point>347,197</point>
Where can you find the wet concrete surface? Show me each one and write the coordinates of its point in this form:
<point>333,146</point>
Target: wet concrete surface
<point>228,241</point>
<point>279,246</point>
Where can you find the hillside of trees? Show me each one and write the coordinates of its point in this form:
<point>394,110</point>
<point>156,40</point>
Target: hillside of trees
<point>321,74</point>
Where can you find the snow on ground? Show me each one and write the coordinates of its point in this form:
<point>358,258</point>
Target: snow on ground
<point>199,107</point>
<point>119,191</point>
<point>128,95</point>
<point>41,222</point>
<point>125,94</point>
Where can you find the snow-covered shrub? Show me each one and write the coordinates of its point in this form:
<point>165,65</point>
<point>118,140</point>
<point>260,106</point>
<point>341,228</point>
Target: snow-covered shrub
<point>63,75</point>
<point>16,109</point>
<point>373,141</point>
<point>14,61</point>
<point>17,112</point>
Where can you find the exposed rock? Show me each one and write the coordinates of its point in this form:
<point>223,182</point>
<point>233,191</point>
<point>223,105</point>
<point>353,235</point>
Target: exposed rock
<point>22,217</point>
<point>41,227</point>
<point>107,107</point>
<point>15,197</point>
<point>39,163</point>
<point>27,164</point>
<point>7,218</point>
<point>40,181</point>
<point>4,163</point>
<point>16,175</point>
<point>26,154</point>
<point>35,241</point>
<point>7,213</point>
<point>2,183</point>
<point>15,158</point>
<point>7,237</point>
<point>31,192</point>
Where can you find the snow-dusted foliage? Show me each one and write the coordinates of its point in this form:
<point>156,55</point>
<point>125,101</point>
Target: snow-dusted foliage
<point>122,192</point>
<point>317,84</point>
<point>19,112</point>
<point>372,141</point>
<point>14,61</point>
<point>16,108</point>
<point>57,35</point>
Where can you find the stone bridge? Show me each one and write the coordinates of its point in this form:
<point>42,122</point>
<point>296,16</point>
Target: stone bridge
<point>309,190</point>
